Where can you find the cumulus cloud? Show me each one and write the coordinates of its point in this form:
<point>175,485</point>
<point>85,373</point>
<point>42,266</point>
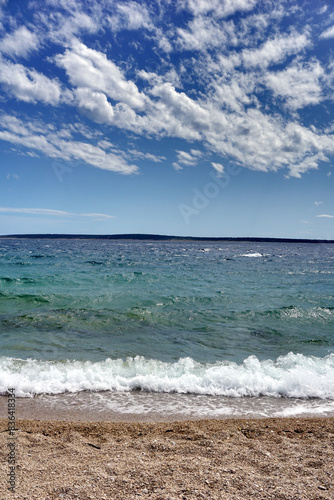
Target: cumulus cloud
<point>95,105</point>
<point>19,43</point>
<point>236,91</point>
<point>28,84</point>
<point>178,114</point>
<point>251,136</point>
<point>88,68</point>
<point>299,85</point>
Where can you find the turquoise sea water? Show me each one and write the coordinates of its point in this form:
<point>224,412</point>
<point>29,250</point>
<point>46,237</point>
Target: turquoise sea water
<point>207,318</point>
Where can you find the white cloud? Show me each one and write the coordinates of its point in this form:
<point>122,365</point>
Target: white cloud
<point>300,85</point>
<point>27,84</point>
<point>92,155</point>
<point>253,28</point>
<point>206,32</point>
<point>262,143</point>
<point>196,152</point>
<point>202,33</point>
<point>328,33</point>
<point>50,212</point>
<point>188,159</point>
<point>318,203</point>
<point>146,156</point>
<point>67,20</point>
<point>219,8</point>
<point>218,97</point>
<point>275,50</point>
<point>326,216</point>
<point>33,211</point>
<point>103,216</point>
<point>171,76</point>
<point>176,166</point>
<point>95,105</point>
<point>88,68</point>
<point>163,42</point>
<point>32,142</point>
<point>136,15</point>
<point>130,16</point>
<point>166,113</point>
<point>53,145</point>
<point>218,167</point>
<point>20,43</point>
<point>235,92</point>
<point>307,163</point>
<point>177,114</point>
<point>250,136</point>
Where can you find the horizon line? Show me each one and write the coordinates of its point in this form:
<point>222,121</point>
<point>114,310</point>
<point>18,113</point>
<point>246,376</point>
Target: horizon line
<point>150,236</point>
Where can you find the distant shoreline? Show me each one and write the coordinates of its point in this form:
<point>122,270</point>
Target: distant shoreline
<point>161,237</point>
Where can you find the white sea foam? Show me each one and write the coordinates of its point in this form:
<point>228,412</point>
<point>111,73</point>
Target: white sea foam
<point>293,375</point>
<point>253,254</point>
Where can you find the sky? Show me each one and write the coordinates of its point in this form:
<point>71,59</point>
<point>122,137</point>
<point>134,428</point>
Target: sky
<point>181,117</point>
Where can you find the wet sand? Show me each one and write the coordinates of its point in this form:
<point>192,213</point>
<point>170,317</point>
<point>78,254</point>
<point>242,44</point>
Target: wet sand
<point>285,458</point>
<point>140,406</point>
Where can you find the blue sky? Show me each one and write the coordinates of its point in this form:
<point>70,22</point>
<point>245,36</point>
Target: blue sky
<point>185,117</point>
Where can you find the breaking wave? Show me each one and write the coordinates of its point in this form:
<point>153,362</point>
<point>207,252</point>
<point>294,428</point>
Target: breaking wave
<point>292,375</point>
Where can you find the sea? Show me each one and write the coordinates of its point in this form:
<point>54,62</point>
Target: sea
<point>166,330</point>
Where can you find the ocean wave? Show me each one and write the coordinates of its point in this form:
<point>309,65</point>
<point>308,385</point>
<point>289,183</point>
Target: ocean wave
<point>25,297</point>
<point>294,312</point>
<point>292,376</point>
<point>253,254</point>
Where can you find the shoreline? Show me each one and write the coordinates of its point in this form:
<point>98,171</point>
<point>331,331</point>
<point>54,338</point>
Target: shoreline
<point>141,406</point>
<point>276,458</point>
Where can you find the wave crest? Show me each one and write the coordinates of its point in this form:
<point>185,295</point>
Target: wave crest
<point>292,375</point>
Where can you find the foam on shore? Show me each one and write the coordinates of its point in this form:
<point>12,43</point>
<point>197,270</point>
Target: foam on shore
<point>291,376</point>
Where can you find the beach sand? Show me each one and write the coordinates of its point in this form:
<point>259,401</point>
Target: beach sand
<point>287,458</point>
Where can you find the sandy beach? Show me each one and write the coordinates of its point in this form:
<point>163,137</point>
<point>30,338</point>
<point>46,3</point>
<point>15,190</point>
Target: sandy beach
<point>219,459</point>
